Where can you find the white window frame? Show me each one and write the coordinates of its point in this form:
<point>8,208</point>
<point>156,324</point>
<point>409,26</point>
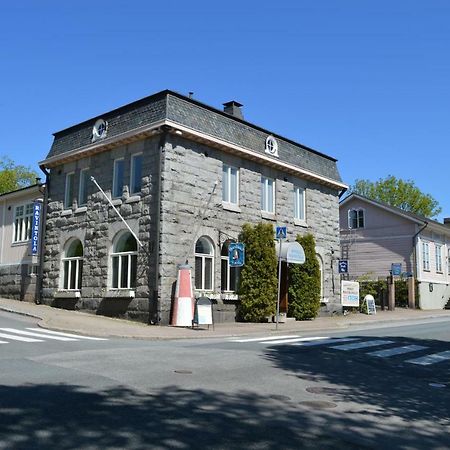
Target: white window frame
<point>132,174</point>
<point>425,256</point>
<point>68,192</point>
<point>265,188</point>
<point>360,214</point>
<point>115,180</point>
<point>130,283</point>
<point>299,204</point>
<point>203,257</point>
<point>73,263</point>
<point>225,280</point>
<point>438,257</point>
<point>23,222</point>
<point>83,187</point>
<point>226,185</point>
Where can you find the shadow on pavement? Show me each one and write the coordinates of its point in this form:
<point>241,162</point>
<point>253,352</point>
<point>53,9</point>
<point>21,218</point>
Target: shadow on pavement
<point>387,402</point>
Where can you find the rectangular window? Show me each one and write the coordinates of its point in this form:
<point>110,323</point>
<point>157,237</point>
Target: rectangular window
<point>119,166</point>
<point>267,195</point>
<point>299,203</point>
<point>136,174</point>
<point>356,218</point>
<point>230,184</point>
<point>68,196</point>
<point>23,219</point>
<point>438,255</point>
<point>425,256</point>
<point>83,191</point>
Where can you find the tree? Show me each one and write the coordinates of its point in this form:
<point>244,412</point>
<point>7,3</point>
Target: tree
<point>403,194</point>
<point>258,282</point>
<point>13,176</point>
<point>304,282</point>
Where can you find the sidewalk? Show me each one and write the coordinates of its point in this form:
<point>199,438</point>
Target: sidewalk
<point>90,324</point>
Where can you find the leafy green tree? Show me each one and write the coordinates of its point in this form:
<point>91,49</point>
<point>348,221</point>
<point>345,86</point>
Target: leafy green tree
<point>403,194</point>
<point>304,282</point>
<point>258,282</point>
<point>13,176</point>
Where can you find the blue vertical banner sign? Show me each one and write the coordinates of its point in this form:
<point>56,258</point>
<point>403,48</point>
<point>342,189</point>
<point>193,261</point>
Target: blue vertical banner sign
<point>236,254</point>
<point>36,227</point>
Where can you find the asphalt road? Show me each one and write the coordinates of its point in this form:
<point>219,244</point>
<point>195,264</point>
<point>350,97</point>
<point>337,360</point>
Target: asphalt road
<point>365,389</point>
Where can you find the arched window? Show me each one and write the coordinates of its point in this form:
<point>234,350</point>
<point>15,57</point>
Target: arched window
<point>356,218</point>
<point>204,264</point>
<point>124,262</point>
<point>73,265</point>
<point>229,275</point>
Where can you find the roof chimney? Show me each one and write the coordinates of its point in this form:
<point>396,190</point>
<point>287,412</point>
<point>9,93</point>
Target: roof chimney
<point>447,221</point>
<point>233,109</point>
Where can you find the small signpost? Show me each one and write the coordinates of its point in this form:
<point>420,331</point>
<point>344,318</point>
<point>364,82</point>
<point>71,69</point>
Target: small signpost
<point>280,233</point>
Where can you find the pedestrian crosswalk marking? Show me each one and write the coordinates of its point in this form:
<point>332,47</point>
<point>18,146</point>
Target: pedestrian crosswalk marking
<point>430,359</point>
<point>19,338</point>
<point>3,342</point>
<point>359,345</point>
<point>29,333</point>
<point>69,335</point>
<point>325,341</point>
<point>293,341</point>
<point>397,351</point>
<point>264,338</point>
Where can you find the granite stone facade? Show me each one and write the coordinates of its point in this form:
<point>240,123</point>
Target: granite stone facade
<point>180,200</point>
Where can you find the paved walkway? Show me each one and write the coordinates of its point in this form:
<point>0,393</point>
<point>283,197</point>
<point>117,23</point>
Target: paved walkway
<point>90,324</point>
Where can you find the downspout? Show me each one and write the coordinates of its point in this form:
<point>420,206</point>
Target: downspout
<point>157,291</point>
<point>40,280</point>
<point>414,238</point>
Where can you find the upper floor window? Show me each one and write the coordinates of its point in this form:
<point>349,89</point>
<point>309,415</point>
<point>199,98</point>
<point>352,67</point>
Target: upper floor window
<point>425,256</point>
<point>83,191</point>
<point>438,255</point>
<point>124,262</point>
<point>23,219</point>
<point>119,168</point>
<point>229,275</point>
<point>356,218</point>
<point>230,184</point>
<point>73,265</point>
<point>136,174</point>
<point>299,203</point>
<point>68,195</point>
<point>267,194</point>
<point>204,264</point>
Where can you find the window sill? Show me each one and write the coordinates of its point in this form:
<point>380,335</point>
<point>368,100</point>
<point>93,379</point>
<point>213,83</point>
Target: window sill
<point>133,199</point>
<point>229,296</point>
<point>231,207</point>
<point>300,223</point>
<point>19,243</point>
<point>120,293</point>
<point>268,215</point>
<point>67,294</point>
<point>81,209</point>
<point>66,212</point>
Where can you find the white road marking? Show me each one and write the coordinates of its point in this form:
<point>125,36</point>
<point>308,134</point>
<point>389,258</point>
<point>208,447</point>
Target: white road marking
<point>358,345</point>
<point>4,342</point>
<point>431,359</point>
<point>29,333</point>
<point>57,333</point>
<point>19,338</point>
<point>263,339</point>
<point>325,341</point>
<point>292,341</point>
<point>397,351</point>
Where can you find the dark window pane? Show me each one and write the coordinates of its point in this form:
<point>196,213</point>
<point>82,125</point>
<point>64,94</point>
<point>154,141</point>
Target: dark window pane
<point>234,278</point>
<point>66,275</point>
<point>208,273</point>
<point>73,274</point>
<point>80,272</point>
<point>115,280</point>
<point>224,274</point>
<point>198,273</point>
<point>133,271</point>
<point>124,272</point>
<point>136,177</point>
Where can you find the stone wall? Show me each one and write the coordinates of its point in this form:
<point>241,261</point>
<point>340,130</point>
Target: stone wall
<point>17,283</point>
<point>96,225</point>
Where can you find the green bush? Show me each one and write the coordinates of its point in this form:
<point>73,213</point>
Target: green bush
<point>258,282</point>
<point>304,282</point>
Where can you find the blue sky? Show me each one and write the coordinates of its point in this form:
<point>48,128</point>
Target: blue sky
<point>363,81</point>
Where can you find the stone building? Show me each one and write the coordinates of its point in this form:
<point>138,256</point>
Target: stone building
<point>185,176</point>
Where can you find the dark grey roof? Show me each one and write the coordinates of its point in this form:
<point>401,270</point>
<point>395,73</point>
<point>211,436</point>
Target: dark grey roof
<point>200,117</point>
